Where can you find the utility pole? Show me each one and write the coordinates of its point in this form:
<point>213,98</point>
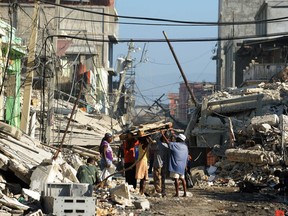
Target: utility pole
<point>130,99</point>
<point>123,76</point>
<point>51,82</point>
<point>193,98</point>
<point>15,14</point>
<point>30,75</point>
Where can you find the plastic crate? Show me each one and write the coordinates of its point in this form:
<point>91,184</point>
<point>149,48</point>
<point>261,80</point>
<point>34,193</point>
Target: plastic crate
<point>70,206</point>
<point>68,189</point>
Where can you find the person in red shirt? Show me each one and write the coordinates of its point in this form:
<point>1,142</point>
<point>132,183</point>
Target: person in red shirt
<point>129,159</point>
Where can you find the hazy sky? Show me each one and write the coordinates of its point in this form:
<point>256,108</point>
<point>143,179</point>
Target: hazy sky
<point>159,74</point>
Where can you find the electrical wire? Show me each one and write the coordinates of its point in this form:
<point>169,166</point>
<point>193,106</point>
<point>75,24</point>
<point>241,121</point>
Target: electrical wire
<point>178,40</point>
<point>153,24</point>
<point>184,62</point>
<point>167,20</point>
<point>161,86</point>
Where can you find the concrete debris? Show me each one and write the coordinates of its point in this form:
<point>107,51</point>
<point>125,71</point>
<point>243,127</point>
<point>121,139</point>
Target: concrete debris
<point>121,191</point>
<point>252,156</point>
<point>272,120</point>
<point>45,174</point>
<point>33,194</point>
<point>122,201</point>
<point>247,130</point>
<point>36,213</point>
<point>143,204</point>
<point>85,129</point>
<point>34,165</point>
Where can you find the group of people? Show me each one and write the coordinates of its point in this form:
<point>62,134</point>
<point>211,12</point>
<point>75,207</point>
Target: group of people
<point>90,173</point>
<point>135,156</point>
<point>170,155</point>
<point>170,159</point>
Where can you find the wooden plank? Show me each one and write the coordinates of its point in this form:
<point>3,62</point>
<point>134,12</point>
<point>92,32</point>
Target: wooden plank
<point>86,150</point>
<point>86,154</point>
<point>10,130</point>
<point>78,139</point>
<point>29,77</point>
<point>148,129</point>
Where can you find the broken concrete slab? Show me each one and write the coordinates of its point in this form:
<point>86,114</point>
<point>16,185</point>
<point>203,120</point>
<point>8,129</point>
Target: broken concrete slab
<point>121,191</point>
<point>142,203</point>
<point>3,162</point>
<point>251,156</point>
<point>272,120</point>
<point>265,128</point>
<point>45,174</point>
<point>122,201</point>
<point>69,172</point>
<point>236,104</point>
<point>32,194</point>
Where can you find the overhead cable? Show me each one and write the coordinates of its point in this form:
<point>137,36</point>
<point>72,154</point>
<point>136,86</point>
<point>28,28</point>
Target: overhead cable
<point>166,20</point>
<point>229,38</point>
<point>151,24</point>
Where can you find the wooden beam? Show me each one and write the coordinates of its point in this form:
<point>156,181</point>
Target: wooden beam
<point>30,74</point>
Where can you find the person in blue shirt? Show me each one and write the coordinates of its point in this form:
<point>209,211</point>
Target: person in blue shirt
<point>178,162</point>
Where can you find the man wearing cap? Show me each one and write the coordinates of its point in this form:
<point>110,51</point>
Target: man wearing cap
<point>178,161</point>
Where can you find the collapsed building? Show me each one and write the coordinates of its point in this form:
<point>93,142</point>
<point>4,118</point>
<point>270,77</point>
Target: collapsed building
<point>245,130</point>
<point>36,177</point>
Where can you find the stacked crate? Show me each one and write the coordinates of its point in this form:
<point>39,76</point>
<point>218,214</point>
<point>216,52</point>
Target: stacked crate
<point>69,199</point>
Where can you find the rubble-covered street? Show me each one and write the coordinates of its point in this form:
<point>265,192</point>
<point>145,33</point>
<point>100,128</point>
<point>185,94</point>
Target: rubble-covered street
<point>237,180</point>
<point>86,130</point>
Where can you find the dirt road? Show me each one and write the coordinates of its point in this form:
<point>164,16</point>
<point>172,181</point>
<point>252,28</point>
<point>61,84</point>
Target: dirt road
<point>216,201</point>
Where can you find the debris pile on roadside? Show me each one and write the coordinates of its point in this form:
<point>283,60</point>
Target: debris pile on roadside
<point>35,182</point>
<point>247,131</point>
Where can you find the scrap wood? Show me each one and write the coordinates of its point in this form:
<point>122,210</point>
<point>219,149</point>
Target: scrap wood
<point>10,130</point>
<point>145,130</point>
<point>24,145</point>
<point>85,154</point>
<point>148,129</point>
<point>87,150</point>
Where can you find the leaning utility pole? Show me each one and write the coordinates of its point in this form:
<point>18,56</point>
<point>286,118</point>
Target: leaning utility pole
<point>194,99</point>
<point>122,77</point>
<point>30,74</point>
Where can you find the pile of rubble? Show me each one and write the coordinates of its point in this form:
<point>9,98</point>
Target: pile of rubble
<point>42,184</point>
<point>247,130</point>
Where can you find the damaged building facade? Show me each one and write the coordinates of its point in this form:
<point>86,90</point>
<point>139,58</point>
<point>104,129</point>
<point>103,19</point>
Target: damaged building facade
<point>65,47</point>
<point>230,59</point>
<point>253,64</point>
<point>244,125</point>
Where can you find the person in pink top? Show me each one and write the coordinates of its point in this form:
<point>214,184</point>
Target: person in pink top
<point>106,151</point>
